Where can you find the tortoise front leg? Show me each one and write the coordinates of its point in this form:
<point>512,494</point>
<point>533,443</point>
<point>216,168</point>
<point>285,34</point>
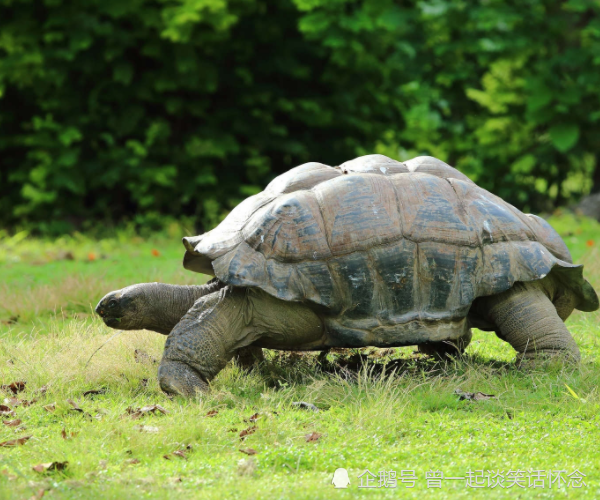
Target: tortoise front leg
<point>219,325</point>
<point>527,319</point>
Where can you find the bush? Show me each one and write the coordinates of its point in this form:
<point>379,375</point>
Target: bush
<point>111,109</point>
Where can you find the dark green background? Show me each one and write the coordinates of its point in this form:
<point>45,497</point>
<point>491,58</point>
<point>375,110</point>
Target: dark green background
<point>140,109</point>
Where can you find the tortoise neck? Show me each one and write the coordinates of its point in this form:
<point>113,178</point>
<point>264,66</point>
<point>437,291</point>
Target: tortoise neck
<point>167,304</point>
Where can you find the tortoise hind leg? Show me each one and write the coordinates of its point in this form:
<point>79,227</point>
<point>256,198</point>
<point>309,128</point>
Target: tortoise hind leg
<point>446,348</point>
<point>527,319</point>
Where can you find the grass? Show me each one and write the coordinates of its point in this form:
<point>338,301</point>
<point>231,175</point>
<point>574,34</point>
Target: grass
<point>379,410</point>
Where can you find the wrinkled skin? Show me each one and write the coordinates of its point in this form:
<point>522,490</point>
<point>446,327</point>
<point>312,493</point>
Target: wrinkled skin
<point>150,306</point>
<point>159,307</point>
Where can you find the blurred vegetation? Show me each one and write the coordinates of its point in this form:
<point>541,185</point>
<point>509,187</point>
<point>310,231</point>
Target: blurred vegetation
<point>113,110</point>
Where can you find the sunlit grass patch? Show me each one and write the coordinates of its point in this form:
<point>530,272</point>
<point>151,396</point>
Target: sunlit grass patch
<point>378,409</point>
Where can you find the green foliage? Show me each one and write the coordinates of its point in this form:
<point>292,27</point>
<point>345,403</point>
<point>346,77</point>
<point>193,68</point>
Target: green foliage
<point>112,108</point>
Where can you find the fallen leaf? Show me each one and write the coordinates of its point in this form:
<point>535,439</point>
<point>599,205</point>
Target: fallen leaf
<point>14,387</point>
<point>145,428</point>
<point>15,442</point>
<point>74,405</point>
<point>473,396</point>
<point>248,431</point>
<point>313,436</point>
<point>143,357</point>
<point>11,321</point>
<point>50,467</point>
<point>136,413</point>
<point>248,451</point>
<point>253,418</point>
<point>132,461</point>
<point>51,407</point>
<point>153,409</point>
<point>43,389</point>
<point>177,453</point>
<point>38,495</point>
<point>212,413</point>
<point>305,406</point>
<point>6,410</point>
<point>93,392</point>
<point>11,477</point>
<point>64,434</point>
<point>19,402</point>
<point>12,423</point>
<point>155,252</point>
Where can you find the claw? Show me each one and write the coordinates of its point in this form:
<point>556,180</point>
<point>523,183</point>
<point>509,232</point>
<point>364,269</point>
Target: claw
<point>176,377</point>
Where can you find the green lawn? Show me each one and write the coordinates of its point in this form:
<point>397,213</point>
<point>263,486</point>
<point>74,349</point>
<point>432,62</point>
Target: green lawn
<point>392,411</point>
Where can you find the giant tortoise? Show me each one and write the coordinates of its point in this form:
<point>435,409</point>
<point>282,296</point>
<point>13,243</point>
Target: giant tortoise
<point>374,252</point>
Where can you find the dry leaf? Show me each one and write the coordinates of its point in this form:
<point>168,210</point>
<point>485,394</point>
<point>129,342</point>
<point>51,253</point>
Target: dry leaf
<point>14,402</point>
<point>6,410</point>
<point>93,392</point>
<point>132,461</point>
<point>248,431</point>
<point>313,436</point>
<point>74,405</point>
<point>253,418</point>
<point>305,406</point>
<point>38,495</point>
<point>10,477</point>
<point>212,413</point>
<point>15,442</point>
<point>248,451</point>
<point>145,428</point>
<point>166,457</point>
<point>180,453</point>
<point>64,434</point>
<point>51,407</point>
<point>43,389</point>
<point>136,413</point>
<point>12,423</point>
<point>14,387</point>
<point>473,396</point>
<point>153,409</point>
<point>50,467</point>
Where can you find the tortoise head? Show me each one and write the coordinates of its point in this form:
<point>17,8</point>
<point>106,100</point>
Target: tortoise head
<point>123,309</point>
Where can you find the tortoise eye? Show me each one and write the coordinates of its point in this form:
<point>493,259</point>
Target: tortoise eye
<point>112,303</point>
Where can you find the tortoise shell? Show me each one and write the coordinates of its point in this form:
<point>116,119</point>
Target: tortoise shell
<point>383,247</point>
